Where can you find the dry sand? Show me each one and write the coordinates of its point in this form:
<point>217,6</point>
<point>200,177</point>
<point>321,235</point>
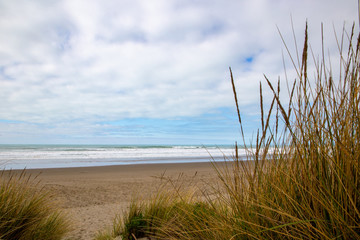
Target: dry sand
<point>92,196</point>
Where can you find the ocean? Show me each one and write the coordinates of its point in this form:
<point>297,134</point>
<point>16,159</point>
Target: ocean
<point>62,156</point>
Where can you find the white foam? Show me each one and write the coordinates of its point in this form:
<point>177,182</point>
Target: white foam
<point>77,156</point>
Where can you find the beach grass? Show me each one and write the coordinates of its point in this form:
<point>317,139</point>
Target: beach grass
<point>27,211</point>
<point>302,177</point>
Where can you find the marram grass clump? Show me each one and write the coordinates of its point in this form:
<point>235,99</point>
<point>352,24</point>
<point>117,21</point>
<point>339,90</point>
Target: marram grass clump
<point>305,181</point>
<point>177,200</point>
<point>27,212</point>
<point>302,180</point>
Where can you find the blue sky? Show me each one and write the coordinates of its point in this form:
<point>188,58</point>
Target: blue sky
<point>147,72</point>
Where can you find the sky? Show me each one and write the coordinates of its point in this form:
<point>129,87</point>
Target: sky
<point>148,71</point>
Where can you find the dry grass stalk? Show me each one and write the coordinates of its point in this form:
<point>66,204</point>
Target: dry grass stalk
<point>302,181</point>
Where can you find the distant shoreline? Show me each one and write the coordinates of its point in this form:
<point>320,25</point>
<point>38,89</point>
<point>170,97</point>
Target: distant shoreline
<point>65,156</point>
<point>118,167</point>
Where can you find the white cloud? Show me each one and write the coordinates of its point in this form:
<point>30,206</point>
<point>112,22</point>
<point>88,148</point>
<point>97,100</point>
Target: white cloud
<point>76,60</point>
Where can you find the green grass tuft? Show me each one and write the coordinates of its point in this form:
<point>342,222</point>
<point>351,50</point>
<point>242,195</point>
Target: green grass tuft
<point>27,212</point>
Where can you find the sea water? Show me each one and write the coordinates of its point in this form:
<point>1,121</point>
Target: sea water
<point>59,156</point>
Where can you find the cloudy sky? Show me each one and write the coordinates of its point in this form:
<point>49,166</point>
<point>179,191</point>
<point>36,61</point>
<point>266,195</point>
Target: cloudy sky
<point>145,72</point>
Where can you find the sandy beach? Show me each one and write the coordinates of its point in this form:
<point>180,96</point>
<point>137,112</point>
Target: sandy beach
<point>92,196</point>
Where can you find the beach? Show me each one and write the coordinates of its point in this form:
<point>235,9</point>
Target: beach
<point>92,196</point>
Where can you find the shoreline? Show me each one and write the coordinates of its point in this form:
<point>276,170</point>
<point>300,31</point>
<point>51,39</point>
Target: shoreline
<point>118,167</point>
<point>19,157</point>
<point>6,166</point>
